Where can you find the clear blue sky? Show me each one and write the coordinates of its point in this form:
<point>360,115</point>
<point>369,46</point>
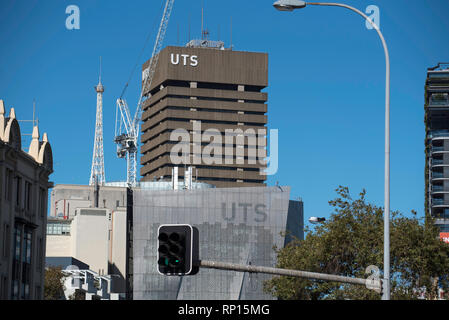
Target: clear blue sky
<point>326,83</point>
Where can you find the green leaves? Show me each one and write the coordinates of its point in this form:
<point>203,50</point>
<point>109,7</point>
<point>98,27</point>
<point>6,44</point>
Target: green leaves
<point>53,284</point>
<point>351,240</point>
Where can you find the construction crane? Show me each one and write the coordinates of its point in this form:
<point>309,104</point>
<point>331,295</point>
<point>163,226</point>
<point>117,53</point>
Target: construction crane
<point>127,129</point>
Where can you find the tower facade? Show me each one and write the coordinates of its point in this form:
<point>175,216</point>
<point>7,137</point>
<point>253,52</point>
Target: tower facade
<point>97,172</point>
<point>437,145</point>
<point>214,96</point>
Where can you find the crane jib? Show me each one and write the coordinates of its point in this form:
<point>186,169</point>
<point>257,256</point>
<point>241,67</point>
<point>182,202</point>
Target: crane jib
<point>127,128</point>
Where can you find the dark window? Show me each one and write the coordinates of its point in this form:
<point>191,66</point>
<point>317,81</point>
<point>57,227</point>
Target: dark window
<point>26,264</point>
<point>42,196</point>
<point>8,184</point>
<point>40,255</point>
<point>6,241</point>
<point>4,291</point>
<point>27,197</point>
<point>16,263</point>
<point>18,191</point>
<point>21,267</point>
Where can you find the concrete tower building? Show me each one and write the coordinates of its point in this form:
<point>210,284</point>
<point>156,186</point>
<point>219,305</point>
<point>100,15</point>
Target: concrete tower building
<point>215,96</point>
<point>437,144</point>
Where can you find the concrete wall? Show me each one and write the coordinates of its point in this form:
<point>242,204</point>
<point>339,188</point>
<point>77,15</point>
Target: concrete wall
<point>90,231</point>
<point>89,238</point>
<point>217,66</point>
<point>58,246</point>
<point>117,262</point>
<point>66,198</point>
<point>239,225</point>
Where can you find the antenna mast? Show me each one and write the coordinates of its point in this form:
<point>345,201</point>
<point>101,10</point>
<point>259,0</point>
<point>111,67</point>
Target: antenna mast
<point>97,172</point>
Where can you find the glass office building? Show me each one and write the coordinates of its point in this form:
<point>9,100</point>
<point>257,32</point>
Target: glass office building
<point>437,144</point>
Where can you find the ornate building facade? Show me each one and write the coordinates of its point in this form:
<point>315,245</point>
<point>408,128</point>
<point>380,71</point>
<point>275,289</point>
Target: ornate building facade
<point>24,184</point>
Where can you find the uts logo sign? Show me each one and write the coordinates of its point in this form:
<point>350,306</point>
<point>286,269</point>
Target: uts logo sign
<point>183,59</point>
<point>444,236</point>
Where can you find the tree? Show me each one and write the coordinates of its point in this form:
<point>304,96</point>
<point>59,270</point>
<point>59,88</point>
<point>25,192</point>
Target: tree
<point>54,286</point>
<point>78,295</point>
<point>351,240</point>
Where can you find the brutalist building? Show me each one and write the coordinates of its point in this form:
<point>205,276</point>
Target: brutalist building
<point>206,89</point>
<point>237,225</point>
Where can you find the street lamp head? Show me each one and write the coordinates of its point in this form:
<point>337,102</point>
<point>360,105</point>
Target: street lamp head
<point>289,5</point>
<point>316,220</point>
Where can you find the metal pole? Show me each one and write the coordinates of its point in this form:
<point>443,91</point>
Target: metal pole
<point>371,284</point>
<point>386,286</point>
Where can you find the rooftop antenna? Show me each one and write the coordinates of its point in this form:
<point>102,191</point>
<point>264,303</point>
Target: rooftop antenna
<point>202,20</point>
<point>204,32</point>
<point>231,34</point>
<point>189,28</point>
<point>34,121</point>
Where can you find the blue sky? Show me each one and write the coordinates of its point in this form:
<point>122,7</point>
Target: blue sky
<point>326,83</point>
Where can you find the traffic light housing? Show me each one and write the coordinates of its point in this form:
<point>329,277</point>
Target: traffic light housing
<point>178,250</point>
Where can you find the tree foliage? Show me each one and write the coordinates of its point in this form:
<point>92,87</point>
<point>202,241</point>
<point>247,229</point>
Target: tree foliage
<point>351,240</point>
<point>53,285</point>
<point>78,295</point>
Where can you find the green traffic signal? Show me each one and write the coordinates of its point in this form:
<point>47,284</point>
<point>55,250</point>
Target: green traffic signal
<point>175,249</point>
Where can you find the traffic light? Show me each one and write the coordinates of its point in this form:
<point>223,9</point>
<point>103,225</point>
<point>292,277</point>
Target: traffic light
<point>177,250</point>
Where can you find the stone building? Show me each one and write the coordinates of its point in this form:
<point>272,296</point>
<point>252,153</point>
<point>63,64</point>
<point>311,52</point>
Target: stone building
<point>24,188</point>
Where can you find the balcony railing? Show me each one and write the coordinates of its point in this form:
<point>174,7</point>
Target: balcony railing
<point>437,161</point>
<point>437,175</point>
<point>438,202</point>
<point>436,149</point>
<point>438,133</point>
<point>437,188</point>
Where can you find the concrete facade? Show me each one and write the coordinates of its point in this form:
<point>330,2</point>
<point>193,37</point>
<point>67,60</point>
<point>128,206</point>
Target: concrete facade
<point>90,238</point>
<point>95,236</point>
<point>24,188</point>
<point>238,225</point>
<point>207,91</point>
<point>66,198</point>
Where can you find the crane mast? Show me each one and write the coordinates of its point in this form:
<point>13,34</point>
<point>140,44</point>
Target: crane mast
<point>127,129</point>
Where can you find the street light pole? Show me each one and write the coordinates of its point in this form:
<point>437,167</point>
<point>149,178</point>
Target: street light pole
<point>289,5</point>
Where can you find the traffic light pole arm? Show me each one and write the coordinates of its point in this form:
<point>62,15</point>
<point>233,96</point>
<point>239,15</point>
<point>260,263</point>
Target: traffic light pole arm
<point>371,284</point>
